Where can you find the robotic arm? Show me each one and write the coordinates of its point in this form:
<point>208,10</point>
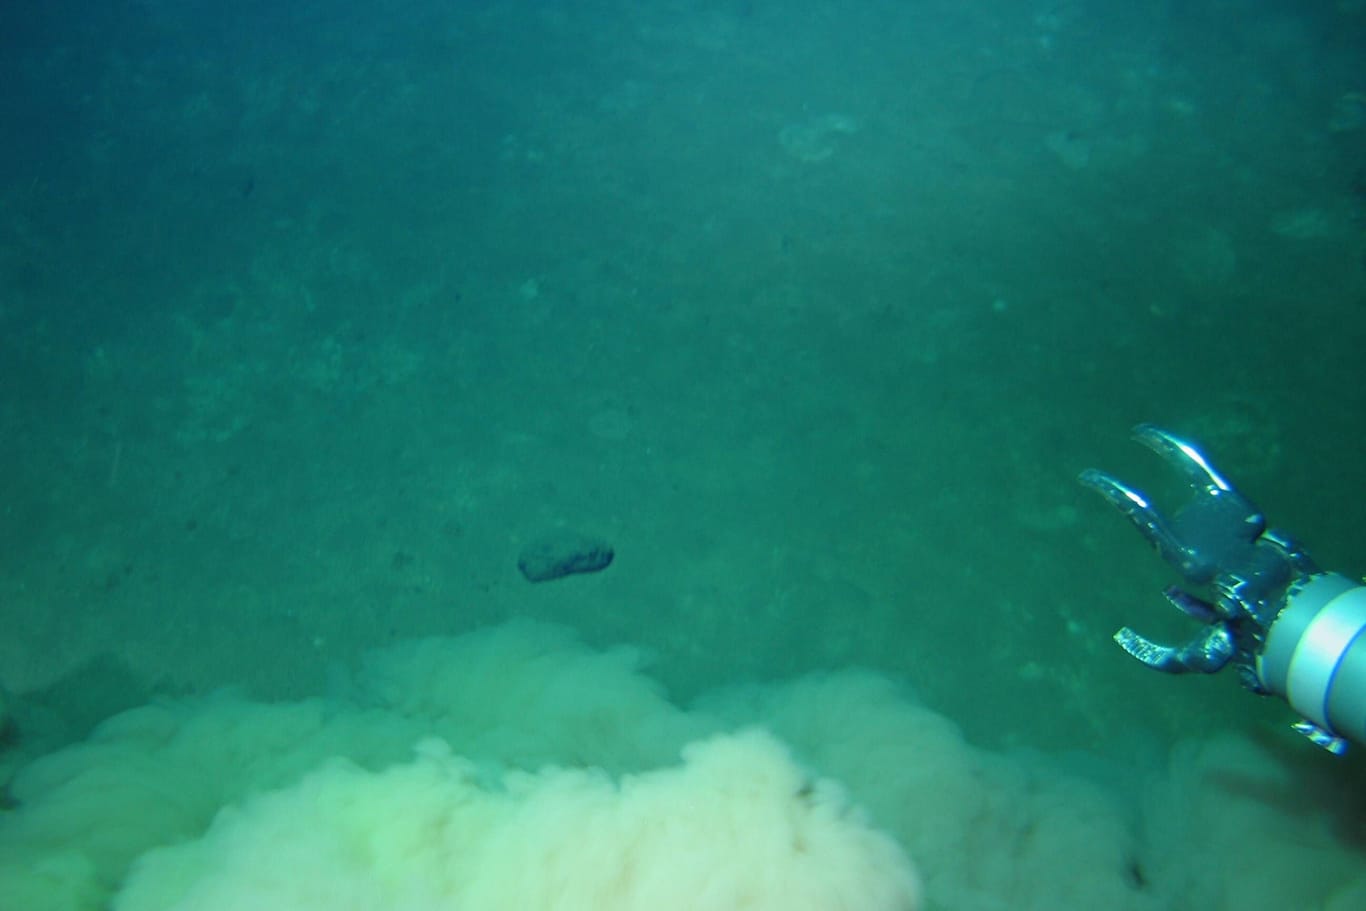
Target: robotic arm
<point>1289,628</point>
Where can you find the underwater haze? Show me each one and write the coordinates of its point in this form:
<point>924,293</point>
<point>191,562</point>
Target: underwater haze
<point>317,316</point>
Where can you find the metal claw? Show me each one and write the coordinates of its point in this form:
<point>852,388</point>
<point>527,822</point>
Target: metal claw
<point>1211,532</point>
<point>1216,541</point>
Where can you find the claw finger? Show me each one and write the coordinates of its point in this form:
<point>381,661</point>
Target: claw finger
<point>1183,456</point>
<point>1190,605</point>
<point>1141,512</point>
<point>1204,654</point>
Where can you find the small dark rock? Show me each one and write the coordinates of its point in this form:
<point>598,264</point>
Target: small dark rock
<point>563,553</point>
